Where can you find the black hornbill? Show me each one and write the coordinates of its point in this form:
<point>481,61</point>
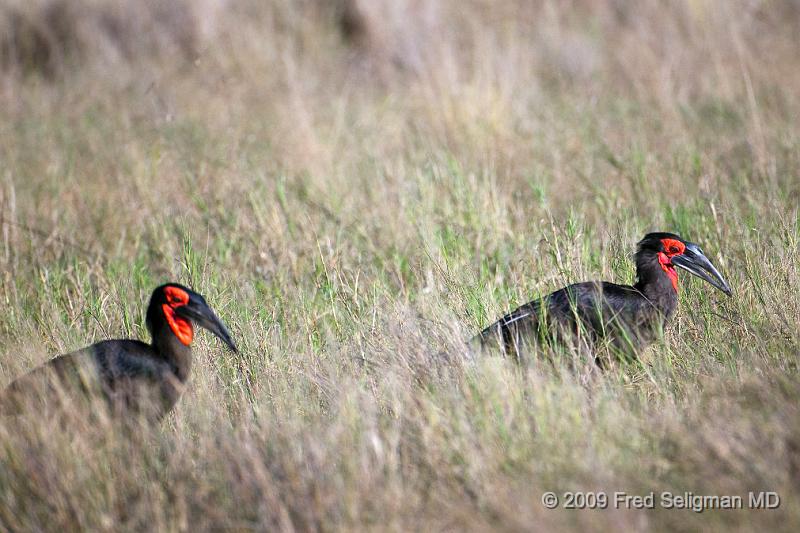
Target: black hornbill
<point>627,317</point>
<point>128,376</point>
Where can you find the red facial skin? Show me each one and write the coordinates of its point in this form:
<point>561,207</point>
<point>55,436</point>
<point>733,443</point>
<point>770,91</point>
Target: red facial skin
<point>181,327</point>
<point>672,248</point>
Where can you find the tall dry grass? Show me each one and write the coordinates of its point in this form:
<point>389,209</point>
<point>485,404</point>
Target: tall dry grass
<point>357,186</point>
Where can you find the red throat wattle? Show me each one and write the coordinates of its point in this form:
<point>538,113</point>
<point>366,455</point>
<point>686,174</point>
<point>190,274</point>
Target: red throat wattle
<point>181,327</point>
<point>672,247</point>
<point>666,266</point>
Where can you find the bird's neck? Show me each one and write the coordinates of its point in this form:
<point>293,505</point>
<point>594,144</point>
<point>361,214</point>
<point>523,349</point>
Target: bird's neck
<point>656,284</point>
<point>172,350</point>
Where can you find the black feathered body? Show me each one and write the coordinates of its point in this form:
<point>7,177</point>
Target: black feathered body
<point>626,317</point>
<point>128,375</point>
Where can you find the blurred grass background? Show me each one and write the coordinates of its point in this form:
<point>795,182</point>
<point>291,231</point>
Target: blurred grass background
<point>358,185</point>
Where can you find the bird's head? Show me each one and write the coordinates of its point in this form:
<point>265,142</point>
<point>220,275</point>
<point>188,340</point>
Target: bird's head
<point>181,307</point>
<point>671,251</point>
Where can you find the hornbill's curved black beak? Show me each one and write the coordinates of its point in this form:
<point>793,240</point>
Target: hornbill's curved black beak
<point>695,262</point>
<point>198,311</point>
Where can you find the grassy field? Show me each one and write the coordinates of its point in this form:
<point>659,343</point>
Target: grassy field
<point>358,186</point>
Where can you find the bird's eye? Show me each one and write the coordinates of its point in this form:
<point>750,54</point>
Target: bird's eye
<point>175,296</point>
<point>673,250</point>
